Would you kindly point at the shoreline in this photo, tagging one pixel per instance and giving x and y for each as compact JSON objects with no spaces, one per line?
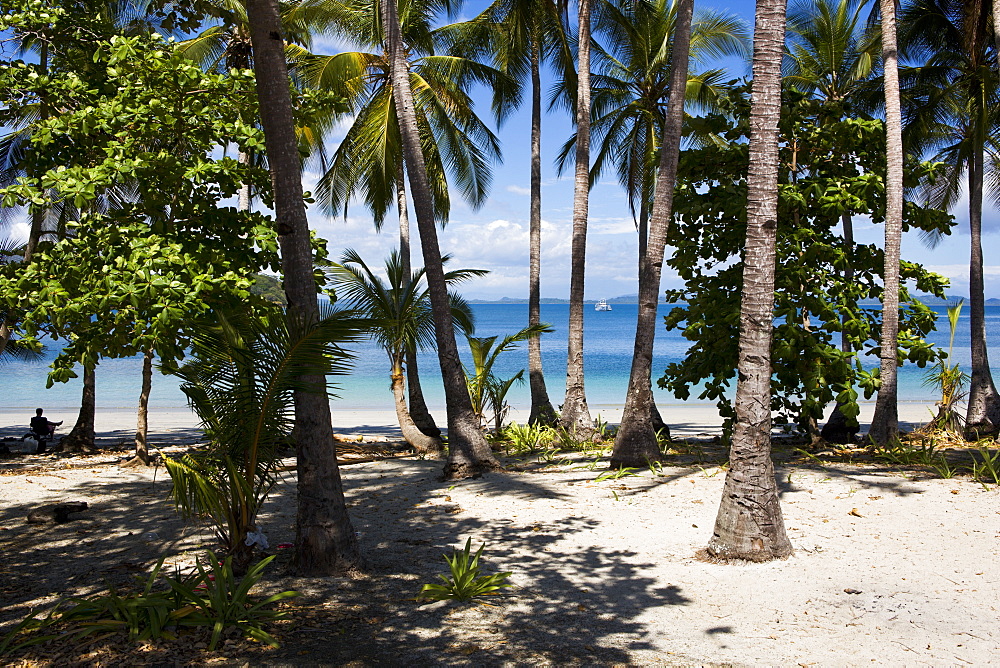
{"x":181,"y":424}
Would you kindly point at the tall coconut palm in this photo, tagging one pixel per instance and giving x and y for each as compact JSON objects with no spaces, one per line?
{"x":953,"y":107}
{"x":749,"y":525}
{"x":575,"y":416}
{"x":368,"y":163}
{"x":399,"y":311}
{"x":885,"y":421}
{"x":635,"y":441}
{"x":833,"y":54}
{"x":520,"y":36}
{"x":325,"y":539}
{"x":632,"y":85}
{"x":468,"y":452}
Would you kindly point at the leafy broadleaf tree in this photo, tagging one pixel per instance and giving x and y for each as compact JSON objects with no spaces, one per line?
{"x":398,"y":310}
{"x":149,"y":246}
{"x":830,"y":168}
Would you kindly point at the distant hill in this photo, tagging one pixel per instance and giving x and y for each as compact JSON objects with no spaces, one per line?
{"x":930,"y":300}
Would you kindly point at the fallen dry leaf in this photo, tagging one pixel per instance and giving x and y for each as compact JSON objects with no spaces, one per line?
{"x":854,"y":511}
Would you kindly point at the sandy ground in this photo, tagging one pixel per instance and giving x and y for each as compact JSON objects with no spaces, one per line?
{"x":889,"y":568}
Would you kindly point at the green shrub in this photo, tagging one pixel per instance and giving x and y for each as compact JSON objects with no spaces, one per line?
{"x":465,"y":582}
{"x":209,"y":597}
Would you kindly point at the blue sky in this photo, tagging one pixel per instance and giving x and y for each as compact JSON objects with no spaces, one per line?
{"x":496,"y":236}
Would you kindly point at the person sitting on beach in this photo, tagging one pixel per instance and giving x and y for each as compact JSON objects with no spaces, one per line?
{"x":41,"y":427}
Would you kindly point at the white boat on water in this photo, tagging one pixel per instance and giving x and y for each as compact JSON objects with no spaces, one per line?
{"x":602,"y":305}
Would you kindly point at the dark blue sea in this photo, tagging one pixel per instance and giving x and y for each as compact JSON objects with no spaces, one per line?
{"x":607,"y":358}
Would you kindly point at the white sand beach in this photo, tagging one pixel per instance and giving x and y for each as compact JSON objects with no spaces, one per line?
{"x":685,"y":420}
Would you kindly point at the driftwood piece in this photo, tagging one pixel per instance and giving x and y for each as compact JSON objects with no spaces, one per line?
{"x":55,"y":513}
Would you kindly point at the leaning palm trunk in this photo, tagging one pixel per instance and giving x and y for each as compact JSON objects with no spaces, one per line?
{"x":325,"y":539}
{"x":468,"y":452}
{"x":575,"y":415}
{"x":983,"y":413}
{"x":541,"y":406}
{"x":885,"y":422}
{"x":635,"y":443}
{"x":421,"y":442}
{"x":421,"y":417}
{"x":749,"y":525}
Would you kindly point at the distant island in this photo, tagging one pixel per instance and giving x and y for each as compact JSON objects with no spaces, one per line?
{"x":930,"y":300}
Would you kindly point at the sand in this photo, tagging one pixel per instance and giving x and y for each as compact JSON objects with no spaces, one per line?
{"x":889,"y":567}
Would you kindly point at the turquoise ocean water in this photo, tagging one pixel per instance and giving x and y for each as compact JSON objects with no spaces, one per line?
{"x":607,"y":358}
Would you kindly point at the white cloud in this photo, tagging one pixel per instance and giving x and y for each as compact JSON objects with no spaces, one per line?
{"x":518,"y":190}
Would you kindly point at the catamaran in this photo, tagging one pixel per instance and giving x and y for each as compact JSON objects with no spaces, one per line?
{"x":602,"y":305}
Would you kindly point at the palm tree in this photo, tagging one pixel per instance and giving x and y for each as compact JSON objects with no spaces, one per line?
{"x":575,"y":416}
{"x":325,"y":540}
{"x":519,"y":35}
{"x":632,"y":85}
{"x":368,"y":163}
{"x":399,"y":310}
{"x":953,"y":108}
{"x":832,"y":55}
{"x":241,"y":380}
{"x":635,"y":442}
{"x":749,"y":525}
{"x":885,"y":421}
{"x":468,"y":452}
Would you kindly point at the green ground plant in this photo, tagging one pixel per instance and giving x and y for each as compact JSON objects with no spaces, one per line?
{"x":209,"y":597}
{"x":949,"y":379}
{"x":464,"y":582}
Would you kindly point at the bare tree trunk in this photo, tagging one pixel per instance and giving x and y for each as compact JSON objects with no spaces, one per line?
{"x":839,"y":428}
{"x":468,"y":452}
{"x":635,"y":443}
{"x":142,"y":420}
{"x":418,"y":412}
{"x":81,"y":438}
{"x":885,"y":422}
{"x":421,"y":442}
{"x":246,"y":195}
{"x":575,"y":416}
{"x":749,"y":525}
{"x":983,"y":414}
{"x":541,"y":406}
{"x":325,"y":540}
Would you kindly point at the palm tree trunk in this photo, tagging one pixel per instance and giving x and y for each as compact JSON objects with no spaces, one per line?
{"x":575,"y":415}
{"x":635,"y":442}
{"x":749,"y":525}
{"x":418,"y":412}
{"x":839,"y":428}
{"x":422,"y":443}
{"x":325,"y":540}
{"x":468,"y":452}
{"x":142,"y":421}
{"x":81,"y":438}
{"x":983,"y":414}
{"x":541,"y":406}
{"x":885,"y":422}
